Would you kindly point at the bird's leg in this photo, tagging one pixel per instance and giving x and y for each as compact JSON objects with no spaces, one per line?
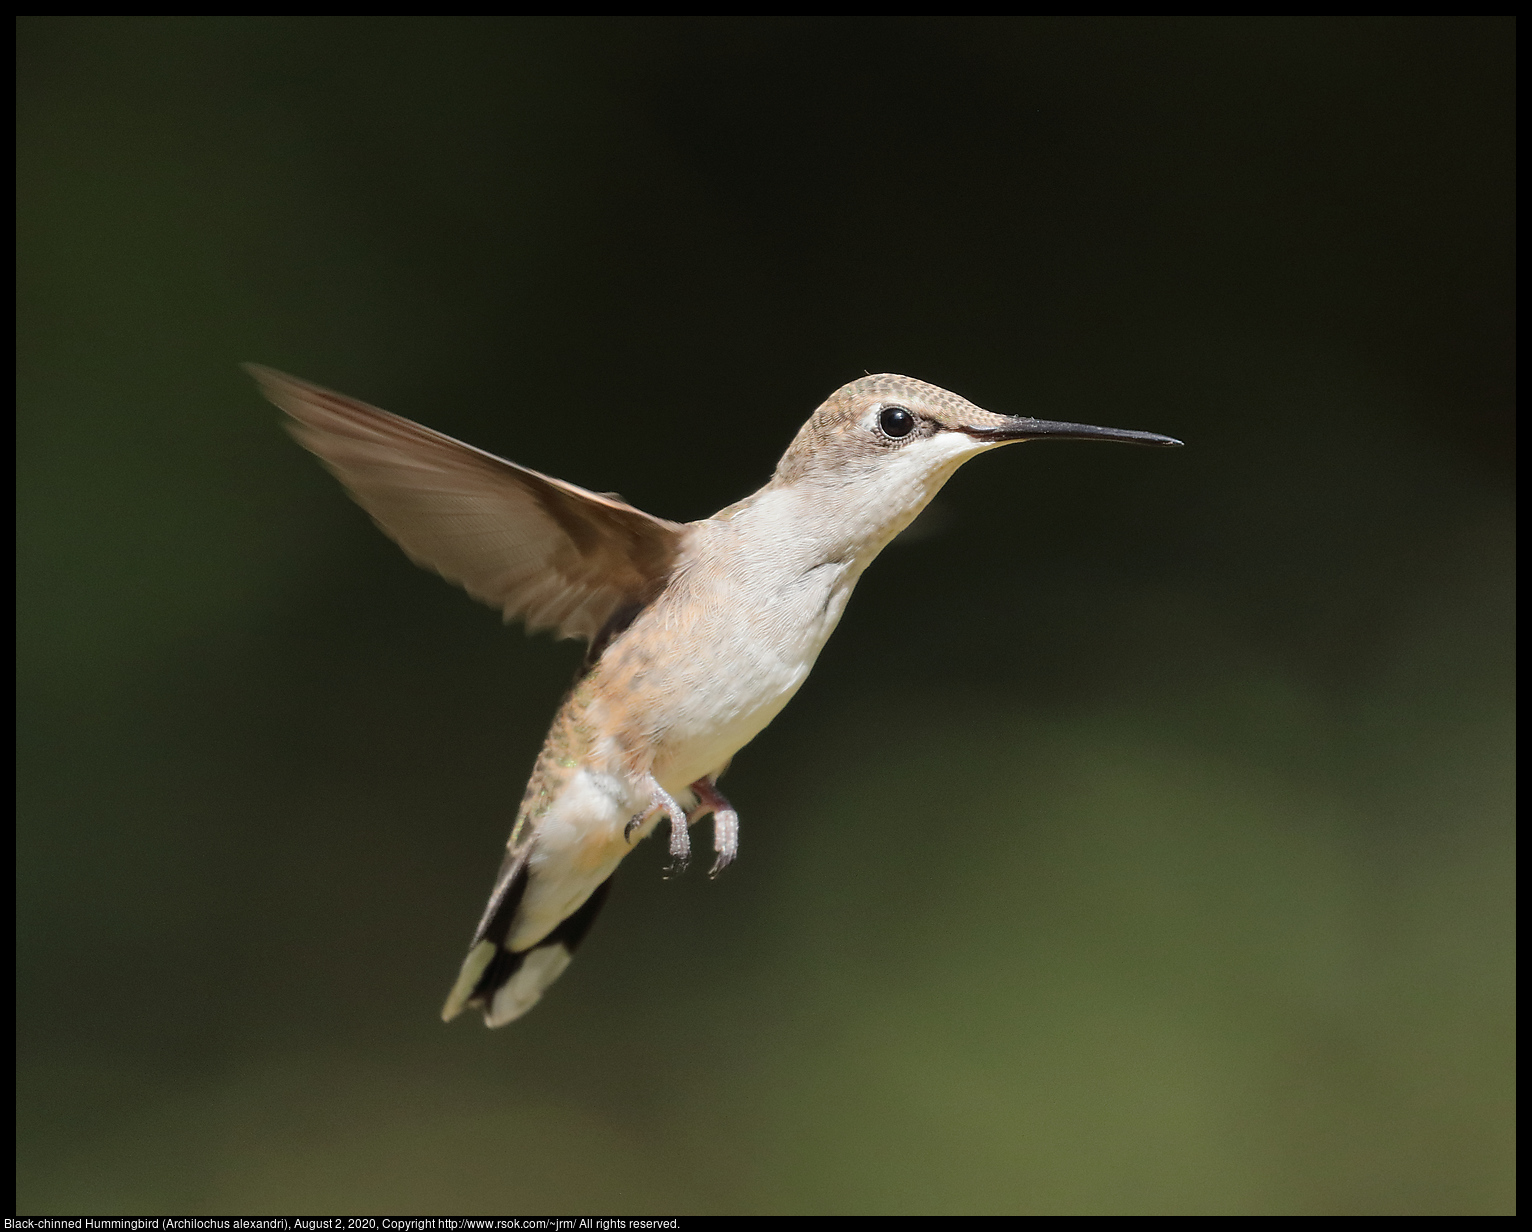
{"x":662,"y":800}
{"x":725,"y":822}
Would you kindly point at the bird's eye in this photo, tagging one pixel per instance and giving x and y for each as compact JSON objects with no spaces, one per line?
{"x":895,"y":421}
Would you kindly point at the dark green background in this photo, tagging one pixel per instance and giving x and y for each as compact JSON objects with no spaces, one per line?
{"x":1142,"y":842}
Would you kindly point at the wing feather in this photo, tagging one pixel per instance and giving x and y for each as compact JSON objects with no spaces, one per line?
{"x":533,"y":546}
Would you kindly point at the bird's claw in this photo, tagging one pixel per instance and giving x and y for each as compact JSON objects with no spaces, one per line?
{"x":680,"y":847}
{"x":725,"y":839}
{"x":725,"y":823}
{"x":709,"y":800}
{"x":662,"y":801}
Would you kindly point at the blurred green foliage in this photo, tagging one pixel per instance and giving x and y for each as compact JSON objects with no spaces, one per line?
{"x":1142,"y":843}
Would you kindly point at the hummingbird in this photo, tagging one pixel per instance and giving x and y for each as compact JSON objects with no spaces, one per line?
{"x":697,"y":633}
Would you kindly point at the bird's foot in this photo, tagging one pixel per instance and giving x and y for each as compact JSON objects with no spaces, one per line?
{"x":725,"y":823}
{"x":661,"y":800}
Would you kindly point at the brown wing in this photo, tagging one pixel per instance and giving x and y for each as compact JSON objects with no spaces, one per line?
{"x":535,"y":547}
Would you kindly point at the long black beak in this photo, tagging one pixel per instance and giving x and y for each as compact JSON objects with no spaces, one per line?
{"x":1020,"y":428}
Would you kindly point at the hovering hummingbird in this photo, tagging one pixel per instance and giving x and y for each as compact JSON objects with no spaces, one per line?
{"x":698,"y":633}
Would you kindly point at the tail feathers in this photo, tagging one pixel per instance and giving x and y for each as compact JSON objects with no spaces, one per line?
{"x":530,"y":972}
{"x":504,"y":983}
{"x":489,"y":938}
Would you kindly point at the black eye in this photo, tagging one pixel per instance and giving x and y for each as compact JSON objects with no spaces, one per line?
{"x":895,"y":421}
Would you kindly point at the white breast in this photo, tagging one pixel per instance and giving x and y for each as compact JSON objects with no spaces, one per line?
{"x":760,"y":619}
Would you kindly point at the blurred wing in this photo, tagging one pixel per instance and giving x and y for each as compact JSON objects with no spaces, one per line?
{"x":537,"y":548}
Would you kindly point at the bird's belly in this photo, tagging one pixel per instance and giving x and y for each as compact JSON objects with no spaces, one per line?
{"x":735,"y":696}
{"x":714,"y":728}
{"x":732,"y":672}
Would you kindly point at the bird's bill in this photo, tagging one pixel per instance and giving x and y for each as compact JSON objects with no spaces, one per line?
{"x":1020,"y":428}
